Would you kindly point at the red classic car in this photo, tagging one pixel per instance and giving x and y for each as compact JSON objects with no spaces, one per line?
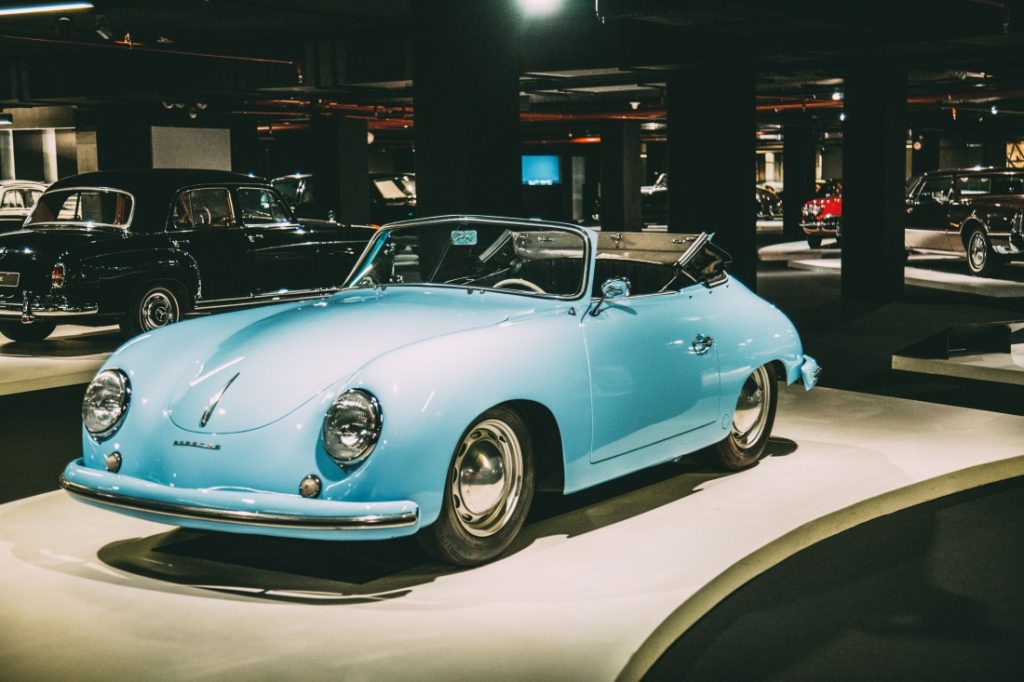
{"x":822,"y":216}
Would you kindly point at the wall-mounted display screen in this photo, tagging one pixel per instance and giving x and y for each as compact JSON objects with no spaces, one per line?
{"x":541,"y":170}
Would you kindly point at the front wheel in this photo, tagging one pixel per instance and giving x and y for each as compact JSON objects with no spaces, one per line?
{"x":814,"y":241}
{"x":487,"y":492}
{"x":153,"y":306}
{"x":34,"y":331}
{"x":981,"y":259}
{"x":751,"y":422}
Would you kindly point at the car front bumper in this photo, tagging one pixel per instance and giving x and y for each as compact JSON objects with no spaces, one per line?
{"x":825,"y":227}
{"x":241,"y":511}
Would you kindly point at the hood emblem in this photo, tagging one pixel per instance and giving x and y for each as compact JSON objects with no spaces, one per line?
{"x":212,"y":405}
{"x":196,"y":444}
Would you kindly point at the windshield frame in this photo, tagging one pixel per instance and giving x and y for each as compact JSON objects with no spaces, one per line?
{"x":371,"y":250}
{"x":82,"y":223}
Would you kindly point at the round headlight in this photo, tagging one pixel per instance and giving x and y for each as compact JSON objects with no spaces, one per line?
{"x":352,"y":427}
{"x":106,"y":402}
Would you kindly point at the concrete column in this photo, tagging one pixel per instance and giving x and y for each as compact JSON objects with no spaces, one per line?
{"x":927,"y":157}
{"x":711,"y":157}
{"x":340,"y":168}
{"x":49,"y":155}
{"x":123,"y":138}
{"x":799,"y":151}
{"x":466,"y":99}
{"x":874,"y":159}
{"x":7,"y":167}
{"x":620,"y":176}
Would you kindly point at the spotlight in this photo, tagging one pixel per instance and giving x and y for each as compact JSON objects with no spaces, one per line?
{"x":103,"y":29}
{"x":994,"y":110}
{"x":540,"y":7}
{"x":842,"y":115}
{"x":634,"y":105}
{"x":201,"y":106}
{"x":837,"y":95}
{"x":193,"y":113}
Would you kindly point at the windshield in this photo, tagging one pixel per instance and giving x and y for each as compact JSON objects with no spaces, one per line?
{"x":89,"y":207}
{"x":832,"y":188}
{"x":540,"y":259}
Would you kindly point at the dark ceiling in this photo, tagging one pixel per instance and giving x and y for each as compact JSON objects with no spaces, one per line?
{"x":275,"y":61}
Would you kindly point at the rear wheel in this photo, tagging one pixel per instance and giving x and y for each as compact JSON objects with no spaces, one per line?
{"x":814,"y":241}
{"x":34,"y":331}
{"x":751,"y":422}
{"x":487,"y":492}
{"x":153,"y":306}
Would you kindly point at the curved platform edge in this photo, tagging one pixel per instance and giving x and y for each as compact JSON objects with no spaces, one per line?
{"x":774,"y":553}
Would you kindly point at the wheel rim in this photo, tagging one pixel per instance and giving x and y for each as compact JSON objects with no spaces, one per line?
{"x":978,"y":251}
{"x":487,"y":478}
{"x":158,"y":309}
{"x":751,"y":414}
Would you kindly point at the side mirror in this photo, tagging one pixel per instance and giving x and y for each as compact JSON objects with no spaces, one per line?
{"x":616,"y":287}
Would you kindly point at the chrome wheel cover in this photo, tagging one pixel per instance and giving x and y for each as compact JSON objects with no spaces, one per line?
{"x":157,"y":310}
{"x":977,"y":251}
{"x":751,"y":416}
{"x":487,"y":478}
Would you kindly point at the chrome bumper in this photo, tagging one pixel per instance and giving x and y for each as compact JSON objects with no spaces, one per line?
{"x":810,"y":370}
{"x":30,"y":308}
{"x":269,"y":513}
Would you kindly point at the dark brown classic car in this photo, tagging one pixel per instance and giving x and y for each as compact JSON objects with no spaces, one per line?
{"x":975,"y":213}
{"x":144,"y":248}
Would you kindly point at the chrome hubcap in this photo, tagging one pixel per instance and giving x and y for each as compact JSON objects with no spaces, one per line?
{"x":752,"y":409}
{"x":487,"y":478}
{"x":158,"y":310}
{"x":978,"y":251}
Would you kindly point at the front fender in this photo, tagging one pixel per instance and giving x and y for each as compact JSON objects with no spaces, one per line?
{"x":431,"y":391}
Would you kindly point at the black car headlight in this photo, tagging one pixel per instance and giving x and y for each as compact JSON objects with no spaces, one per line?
{"x":106,"y":402}
{"x":352,"y":427}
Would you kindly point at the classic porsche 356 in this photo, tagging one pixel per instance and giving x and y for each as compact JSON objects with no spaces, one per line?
{"x":469,"y":362}
{"x":144,"y":248}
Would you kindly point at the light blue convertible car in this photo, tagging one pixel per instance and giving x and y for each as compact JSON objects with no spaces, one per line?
{"x":469,"y":362}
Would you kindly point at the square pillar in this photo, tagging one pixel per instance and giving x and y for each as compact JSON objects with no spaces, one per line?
{"x":620,"y":176}
{"x":874,"y":168}
{"x":799,"y":150}
{"x":711,"y":162}
{"x":466,"y":101}
{"x":341,"y":168}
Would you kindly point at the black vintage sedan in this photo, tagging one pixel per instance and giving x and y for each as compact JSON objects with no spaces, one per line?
{"x":975,"y":212}
{"x":143,"y":248}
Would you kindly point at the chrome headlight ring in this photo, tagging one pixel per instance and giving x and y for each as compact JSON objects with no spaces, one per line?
{"x":106,"y":403}
{"x":352,"y":427}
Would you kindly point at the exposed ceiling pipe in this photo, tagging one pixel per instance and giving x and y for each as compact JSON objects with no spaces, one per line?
{"x":136,"y":47}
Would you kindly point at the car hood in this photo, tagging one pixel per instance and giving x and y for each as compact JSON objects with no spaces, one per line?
{"x":263,"y":371}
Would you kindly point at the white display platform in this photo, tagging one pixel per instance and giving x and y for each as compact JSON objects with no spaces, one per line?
{"x":789,"y":251}
{"x":595,"y":592}
{"x":71,"y":355}
{"x":932,"y":279}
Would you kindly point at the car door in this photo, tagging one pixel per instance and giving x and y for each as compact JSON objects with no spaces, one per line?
{"x":203,"y":224}
{"x":654,"y":370}
{"x":284,"y":253}
{"x":927,"y":224}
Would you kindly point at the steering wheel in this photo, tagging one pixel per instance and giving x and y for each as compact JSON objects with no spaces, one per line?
{"x":516,"y":282}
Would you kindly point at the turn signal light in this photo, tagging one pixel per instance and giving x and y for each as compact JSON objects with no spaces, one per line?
{"x":57,"y":276}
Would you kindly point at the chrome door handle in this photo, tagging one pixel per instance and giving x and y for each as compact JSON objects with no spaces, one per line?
{"x":702,"y":344}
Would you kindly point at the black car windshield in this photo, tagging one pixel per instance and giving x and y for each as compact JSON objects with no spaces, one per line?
{"x":539,"y":259}
{"x":83,"y":207}
{"x":832,"y":188}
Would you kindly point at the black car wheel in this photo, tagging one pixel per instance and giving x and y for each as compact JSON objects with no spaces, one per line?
{"x":814,"y":241}
{"x":487,"y":493}
{"x":751,"y":422}
{"x":153,"y":307}
{"x":981,"y":259}
{"x":34,"y":331}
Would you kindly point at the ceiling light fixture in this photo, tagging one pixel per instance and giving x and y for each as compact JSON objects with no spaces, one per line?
{"x":842,"y":115}
{"x":837,"y":95}
{"x":540,"y":7}
{"x":994,"y":110}
{"x":45,"y":7}
{"x":634,"y":105}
